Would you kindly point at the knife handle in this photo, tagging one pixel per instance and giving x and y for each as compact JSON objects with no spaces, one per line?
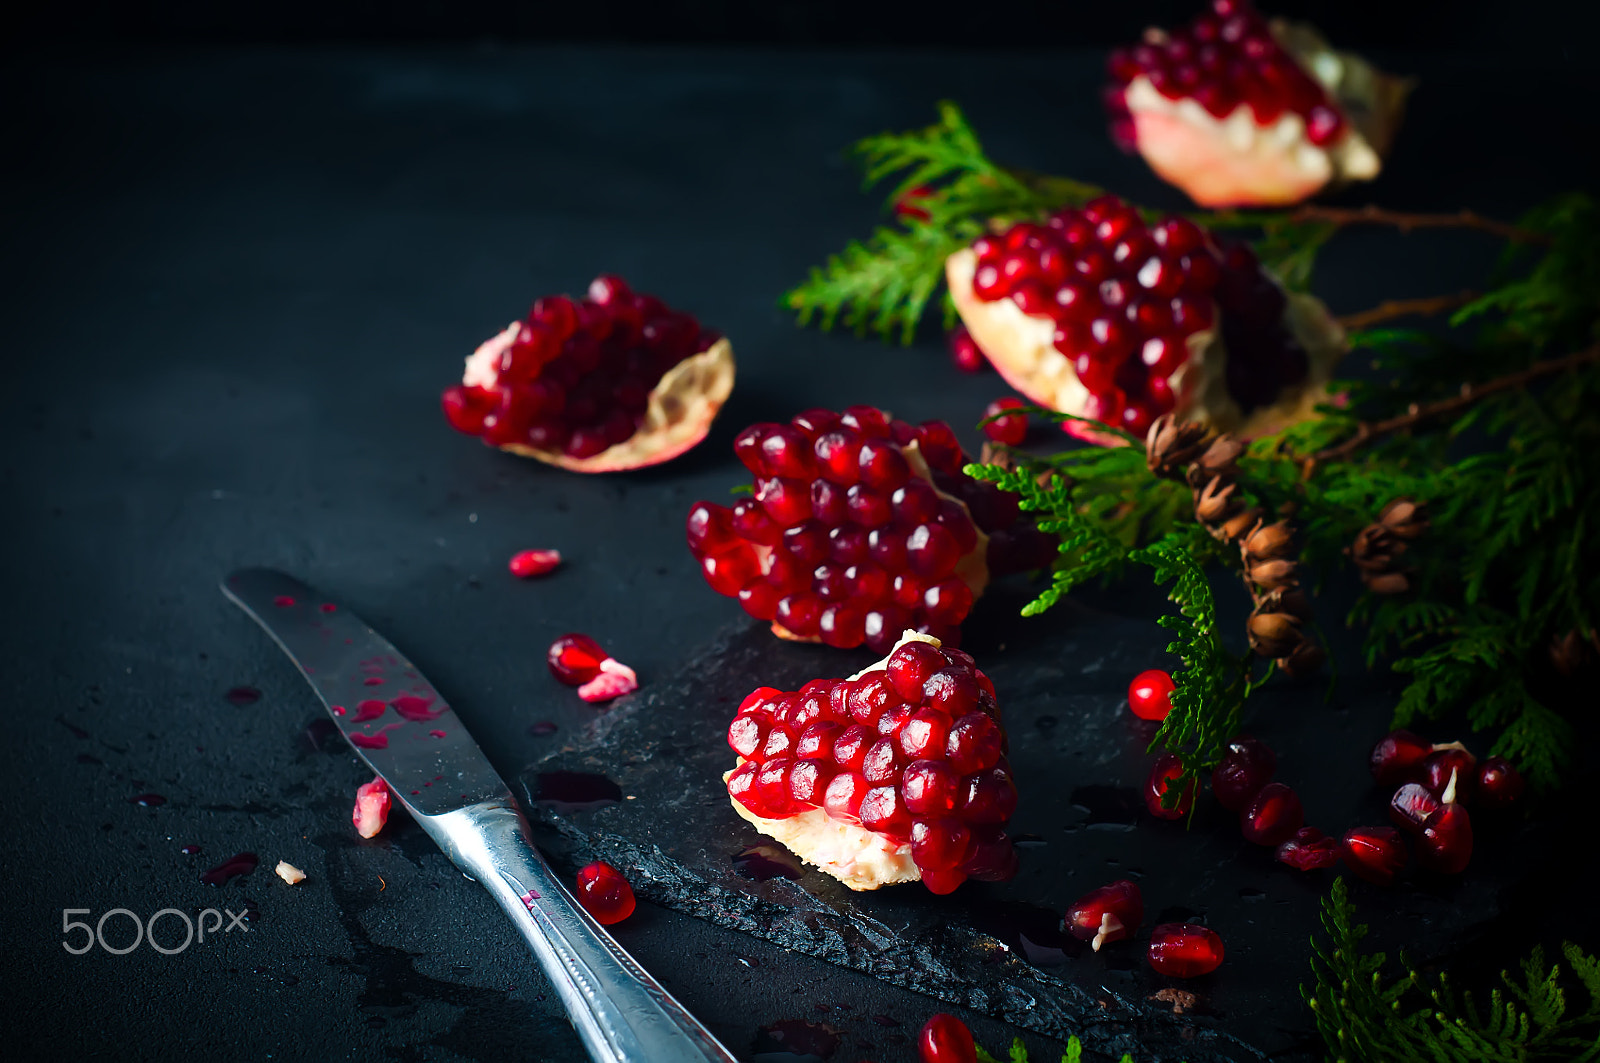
{"x":622,"y":1014}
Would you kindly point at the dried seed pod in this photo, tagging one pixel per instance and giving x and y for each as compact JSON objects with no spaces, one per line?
{"x":1306,"y":659}
{"x":1220,"y":458}
{"x":1404,"y":517}
{"x":1287,"y":600}
{"x":1271,"y":575}
{"x":1269,"y":541}
{"x":1215,"y":502}
{"x":1170,"y":446}
{"x":1388,"y":583}
{"x":1274,"y":634}
{"x":1237,"y":525}
{"x":995,"y":455}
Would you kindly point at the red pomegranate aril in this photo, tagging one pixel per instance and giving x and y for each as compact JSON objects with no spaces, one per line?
{"x":528,"y":564}
{"x":1183,"y":950}
{"x":730,"y":573}
{"x":1272,"y":816}
{"x":928,"y":787}
{"x":1445,"y":844}
{"x":1411,"y":806}
{"x":988,"y":796}
{"x":1109,"y":913}
{"x":1164,"y":774}
{"x":1447,"y":766}
{"x":938,"y":842}
{"x":1498,"y":783}
{"x":1398,"y":757}
{"x":946,"y":1039}
{"x":746,"y":736}
{"x":910,"y":666}
{"x":466,"y":407}
{"x":883,"y":810}
{"x":1377,"y":854}
{"x":575,"y":659}
{"x":751,"y":522}
{"x":965,"y":352}
{"x":975,"y":743}
{"x":800,"y":614}
{"x":1246,"y":766}
{"x":710,"y":529}
{"x":842,"y":799}
{"x":1308,"y":850}
{"x":924,"y":735}
{"x":808,"y":781}
{"x":1010,"y":429}
{"x":786,"y":501}
{"x":604,"y":893}
{"x":1149,"y":693}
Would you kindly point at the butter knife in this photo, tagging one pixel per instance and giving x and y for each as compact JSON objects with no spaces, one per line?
{"x":400,"y":725}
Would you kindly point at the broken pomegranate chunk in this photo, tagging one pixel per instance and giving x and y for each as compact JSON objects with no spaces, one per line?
{"x":612,"y":381}
{"x":1499,"y":784}
{"x":604,"y":893}
{"x":1098,"y":313}
{"x":946,"y":1039}
{"x":1376,"y":854}
{"x":895,"y":774}
{"x":527,"y":564}
{"x":1272,"y":816}
{"x":1309,"y":849}
{"x":1164,"y":774}
{"x":372,"y":808}
{"x":1149,"y":694}
{"x":1398,"y":757}
{"x":1245,"y":768}
{"x":1183,"y":950}
{"x":1109,"y":913}
{"x":579,"y":661}
{"x":1239,"y":111}
{"x":860,"y":527}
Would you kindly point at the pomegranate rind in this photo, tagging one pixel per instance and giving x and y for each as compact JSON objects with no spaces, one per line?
{"x":679,"y":413}
{"x":1233,"y":162}
{"x":972,"y":569}
{"x":1022,"y":349}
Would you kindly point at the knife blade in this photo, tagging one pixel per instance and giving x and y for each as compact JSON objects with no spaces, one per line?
{"x":398,"y":723}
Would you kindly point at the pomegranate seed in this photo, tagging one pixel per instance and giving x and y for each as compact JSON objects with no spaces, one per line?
{"x":372,"y":808}
{"x":1010,"y":429}
{"x":965,"y":352}
{"x":604,"y":893}
{"x":1445,"y":845}
{"x":906,"y":206}
{"x":1398,"y":757}
{"x":1183,"y":950}
{"x":1376,"y":854}
{"x":1149,"y":693}
{"x":1246,"y":767}
{"x":710,"y":529}
{"x":1447,"y":766}
{"x":466,"y":407}
{"x":1498,"y":783}
{"x":1167,"y":769}
{"x":575,"y":659}
{"x":1309,"y":849}
{"x":1272,"y":816}
{"x":1411,"y":806}
{"x":1109,"y":913}
{"x":526,"y":564}
{"x":946,"y":1039}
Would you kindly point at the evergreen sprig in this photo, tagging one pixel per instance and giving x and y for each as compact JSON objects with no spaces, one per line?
{"x":1415,"y":1019}
{"x":1019,"y":1053}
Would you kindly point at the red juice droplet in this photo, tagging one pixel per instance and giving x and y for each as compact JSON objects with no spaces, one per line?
{"x":377,"y":741}
{"x":243,"y":695}
{"x":328,"y":607}
{"x":338,"y":710}
{"x":239,"y":864}
{"x":190,"y":850}
{"x":283,"y":601}
{"x":370,"y":709}
{"x":415,"y":708}
{"x":437,"y":734}
{"x":372,"y":681}
{"x":148,"y":800}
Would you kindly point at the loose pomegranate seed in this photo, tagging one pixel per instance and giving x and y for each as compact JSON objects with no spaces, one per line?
{"x":1183,"y":950}
{"x":1445,"y":845}
{"x":1498,"y":784}
{"x":526,"y":564}
{"x":1272,"y":816}
{"x":1164,"y":774}
{"x":1411,"y":806}
{"x":906,"y":206}
{"x":1246,"y":766}
{"x":1309,"y":849}
{"x":1398,"y":757}
{"x":604,"y":893}
{"x":1442,"y":768}
{"x":1149,"y":694}
{"x":1376,"y":854}
{"x":578,"y":660}
{"x":1109,"y":913}
{"x":946,"y":1039}
{"x":965,"y":352}
{"x":1010,"y":429}
{"x":372,"y":808}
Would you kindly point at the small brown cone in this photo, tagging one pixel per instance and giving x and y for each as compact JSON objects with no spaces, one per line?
{"x":1169,"y":446}
{"x":1269,"y":541}
{"x":1306,"y":659}
{"x":1273,"y":575}
{"x":1274,"y":635}
{"x":1405,"y":518}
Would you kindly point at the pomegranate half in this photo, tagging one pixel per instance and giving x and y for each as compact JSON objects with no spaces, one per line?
{"x":1237,"y":110}
{"x":610,"y":382}
{"x":1097,"y":313}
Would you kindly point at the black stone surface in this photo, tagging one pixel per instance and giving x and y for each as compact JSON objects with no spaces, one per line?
{"x":234,"y":282}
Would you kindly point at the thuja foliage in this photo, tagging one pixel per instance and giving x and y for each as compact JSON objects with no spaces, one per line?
{"x":1019,"y":1053}
{"x":1363,"y":1017}
{"x":1491,"y":424}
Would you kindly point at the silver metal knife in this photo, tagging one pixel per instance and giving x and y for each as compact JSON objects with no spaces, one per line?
{"x":406,"y":732}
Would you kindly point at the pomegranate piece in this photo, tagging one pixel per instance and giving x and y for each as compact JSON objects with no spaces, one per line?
{"x":1008,"y":428}
{"x":1498,"y":783}
{"x":1110,"y":913}
{"x":1450,"y":770}
{"x":526,"y":564}
{"x":1245,"y":768}
{"x":1272,"y":816}
{"x":946,"y":1039}
{"x":965,"y":352}
{"x":372,"y":808}
{"x":1309,"y":849}
{"x":1445,"y":844}
{"x":1149,"y":694}
{"x":893,"y":775}
{"x":579,"y":661}
{"x":1398,"y":757}
{"x":1183,"y":950}
{"x":1164,"y":774}
{"x":1376,"y":854}
{"x":1237,"y":111}
{"x":1098,"y":313}
{"x":611,"y":381}
{"x":604,"y":893}
{"x":860,"y":527}
{"x":1411,"y":806}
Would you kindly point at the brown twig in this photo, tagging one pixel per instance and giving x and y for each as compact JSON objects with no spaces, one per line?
{"x":1405,"y":222}
{"x":1468,"y":394}
{"x":1390,"y":309}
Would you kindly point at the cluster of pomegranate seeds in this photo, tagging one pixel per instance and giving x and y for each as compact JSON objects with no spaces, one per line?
{"x":1127,"y":298}
{"x":577,"y":378}
{"x":965,"y":352}
{"x":1008,"y":428}
{"x":1226,"y":57}
{"x":1164,"y":774}
{"x":1377,"y":854}
{"x":913,"y":751}
{"x":372,"y":808}
{"x":527,"y":564}
{"x":604,"y":893}
{"x":846,"y":541}
{"x":1436,"y":783}
{"x":946,"y":1039}
{"x":1183,"y":950}
{"x":579,"y":661}
{"x":1149,"y":694}
{"x":1109,"y":913}
{"x":1309,"y":849}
